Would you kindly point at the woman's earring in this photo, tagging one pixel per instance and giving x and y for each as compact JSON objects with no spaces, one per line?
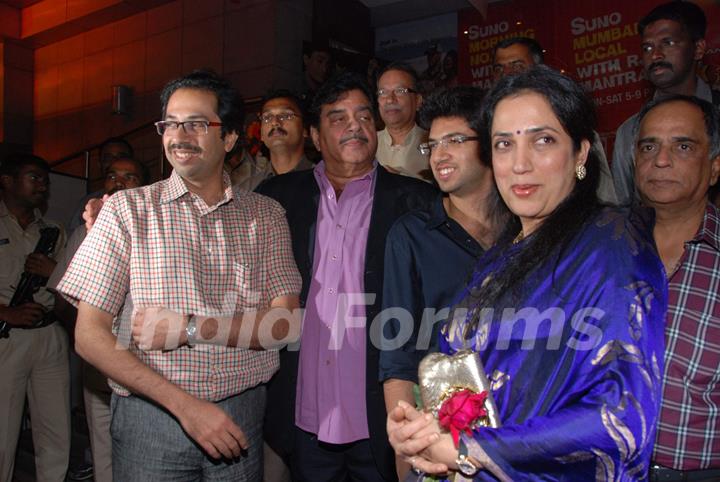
{"x":580,"y":171}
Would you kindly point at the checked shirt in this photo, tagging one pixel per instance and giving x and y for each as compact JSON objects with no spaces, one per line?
{"x":688,"y":435}
{"x":161,"y":245}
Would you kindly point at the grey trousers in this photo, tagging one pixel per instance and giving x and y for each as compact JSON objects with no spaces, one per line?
{"x":148,"y":444}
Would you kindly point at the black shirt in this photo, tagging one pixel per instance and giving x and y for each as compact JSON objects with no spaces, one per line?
{"x":428,"y":260}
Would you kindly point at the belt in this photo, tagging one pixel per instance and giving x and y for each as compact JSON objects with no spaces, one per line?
{"x":659,"y":473}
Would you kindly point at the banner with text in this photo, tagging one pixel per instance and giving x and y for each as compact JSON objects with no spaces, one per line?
{"x":595,"y":42}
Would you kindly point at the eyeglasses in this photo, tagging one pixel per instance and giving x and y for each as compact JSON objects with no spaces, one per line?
{"x":198,"y":127}
{"x":268,"y":117}
{"x":398,"y":92}
{"x":427,"y":147}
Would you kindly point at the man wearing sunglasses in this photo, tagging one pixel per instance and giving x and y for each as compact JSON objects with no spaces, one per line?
{"x":173,"y":283}
{"x":398,"y":102}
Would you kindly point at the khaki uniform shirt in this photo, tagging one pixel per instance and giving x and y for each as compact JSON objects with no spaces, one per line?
{"x":16,"y":244}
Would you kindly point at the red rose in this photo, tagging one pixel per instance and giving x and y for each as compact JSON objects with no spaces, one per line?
{"x":460,"y":412}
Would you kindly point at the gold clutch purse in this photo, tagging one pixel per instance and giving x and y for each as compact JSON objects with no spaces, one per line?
{"x":445,"y":377}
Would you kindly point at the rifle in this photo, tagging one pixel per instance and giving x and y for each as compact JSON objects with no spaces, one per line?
{"x":30,"y":283}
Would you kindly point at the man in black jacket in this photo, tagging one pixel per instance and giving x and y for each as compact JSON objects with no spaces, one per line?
{"x":326,"y":413}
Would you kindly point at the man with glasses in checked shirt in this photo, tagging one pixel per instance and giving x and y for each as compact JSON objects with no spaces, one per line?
{"x":677,"y":159}
{"x":210,"y":274}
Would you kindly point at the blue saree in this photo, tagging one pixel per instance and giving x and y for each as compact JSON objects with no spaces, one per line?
{"x":575,"y":357}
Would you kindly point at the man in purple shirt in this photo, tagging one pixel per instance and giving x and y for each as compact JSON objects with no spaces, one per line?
{"x":326,"y":413}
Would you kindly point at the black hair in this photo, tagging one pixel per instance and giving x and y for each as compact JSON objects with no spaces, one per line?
{"x":402,"y":67}
{"x":453,"y":55}
{"x":321,"y":45}
{"x":335,"y":87}
{"x":687,"y":14}
{"x":230,"y":106}
{"x":576,"y":113}
{"x":710,"y":113}
{"x":533,"y":46}
{"x":286,"y":94}
{"x":13,"y":162}
{"x":118,"y":140}
{"x":462,"y":101}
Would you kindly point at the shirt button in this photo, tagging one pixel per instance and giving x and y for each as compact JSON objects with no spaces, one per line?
{"x":330,"y":196}
{"x":331,"y":291}
{"x":327,"y":362}
{"x":334,"y":257}
{"x":339,"y":226}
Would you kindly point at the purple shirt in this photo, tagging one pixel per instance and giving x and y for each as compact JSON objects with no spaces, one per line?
{"x":330,"y":389}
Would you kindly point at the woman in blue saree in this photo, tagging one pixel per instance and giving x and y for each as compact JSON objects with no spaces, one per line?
{"x":566,"y":312}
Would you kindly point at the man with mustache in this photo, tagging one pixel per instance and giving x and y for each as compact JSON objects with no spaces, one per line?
{"x":398,"y":101}
{"x":326,"y":414}
{"x":34,"y":357}
{"x":677,"y":160}
{"x":283,"y":131}
{"x":672,"y":45}
{"x":203,"y":265}
{"x":121,"y":173}
{"x":112,"y":149}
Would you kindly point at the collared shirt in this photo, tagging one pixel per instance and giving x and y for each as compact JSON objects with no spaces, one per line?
{"x":688,"y":434}
{"x":405,"y":158}
{"x":623,"y":164}
{"x":428,"y":259}
{"x":16,"y":244}
{"x":252,"y":171}
{"x":162,"y":245}
{"x":330,"y":393}
{"x":606,"y":189}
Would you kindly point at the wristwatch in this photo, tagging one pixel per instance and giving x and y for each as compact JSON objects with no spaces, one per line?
{"x":191,"y":330}
{"x":465,"y":465}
